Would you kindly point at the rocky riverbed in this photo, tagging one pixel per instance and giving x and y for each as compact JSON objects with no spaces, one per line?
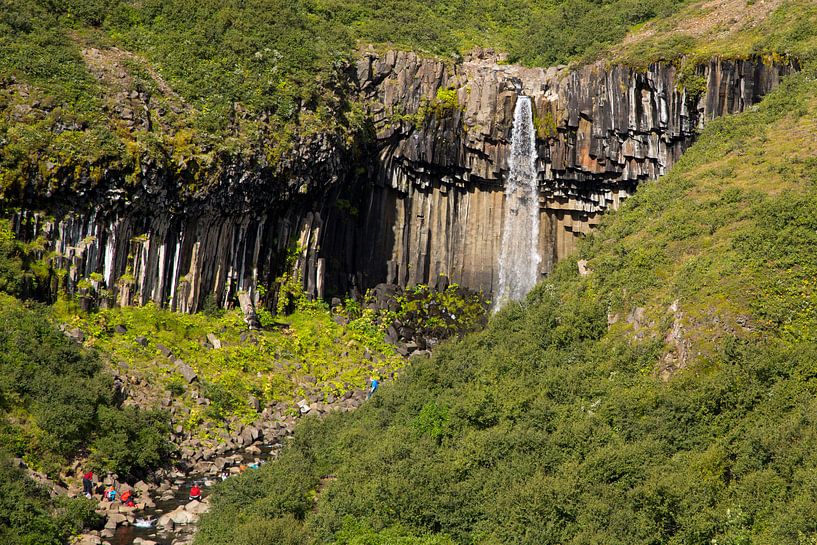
{"x":165,"y":499}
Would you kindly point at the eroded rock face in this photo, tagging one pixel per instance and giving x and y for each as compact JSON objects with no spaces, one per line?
{"x":600,"y":132}
{"x":427,"y":201}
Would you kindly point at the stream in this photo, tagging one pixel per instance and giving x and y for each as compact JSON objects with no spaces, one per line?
{"x":182,"y":533}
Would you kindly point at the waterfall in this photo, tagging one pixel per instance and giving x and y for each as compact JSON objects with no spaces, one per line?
{"x":519,"y":254}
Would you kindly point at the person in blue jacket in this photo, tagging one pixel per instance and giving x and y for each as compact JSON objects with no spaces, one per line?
{"x":373,"y":384}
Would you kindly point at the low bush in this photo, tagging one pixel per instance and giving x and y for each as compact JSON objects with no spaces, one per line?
{"x":29,"y":516}
{"x":58,"y":401}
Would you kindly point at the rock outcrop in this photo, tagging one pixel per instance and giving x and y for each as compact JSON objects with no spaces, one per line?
{"x":443,"y":136}
{"x":423,"y":201}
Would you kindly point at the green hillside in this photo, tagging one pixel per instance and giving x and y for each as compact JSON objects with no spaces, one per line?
{"x":228,"y":82}
{"x":669,"y":396}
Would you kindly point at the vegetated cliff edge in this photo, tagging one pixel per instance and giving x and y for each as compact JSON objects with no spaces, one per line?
{"x":424,"y":197}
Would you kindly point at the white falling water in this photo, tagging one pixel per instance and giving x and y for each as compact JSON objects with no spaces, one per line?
{"x":519,"y":254}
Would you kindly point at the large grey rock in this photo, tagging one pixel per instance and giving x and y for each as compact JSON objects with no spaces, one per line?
{"x":186,"y":371}
{"x":214,"y":341}
{"x":181,"y":516}
{"x":248,"y":310}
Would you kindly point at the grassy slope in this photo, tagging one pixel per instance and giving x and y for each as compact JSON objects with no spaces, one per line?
{"x":300,"y":354}
{"x":728,"y":28}
{"x":575,"y":417}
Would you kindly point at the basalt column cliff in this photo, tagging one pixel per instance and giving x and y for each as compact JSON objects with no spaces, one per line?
{"x":428,"y":200}
{"x":436,"y":204}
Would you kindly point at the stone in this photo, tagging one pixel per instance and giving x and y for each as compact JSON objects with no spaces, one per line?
{"x":88,"y":539}
{"x":75,"y":334}
{"x":186,"y":371}
{"x":197,"y":507}
{"x":166,"y":352}
{"x":340,"y":320}
{"x":248,"y":310}
{"x":214,"y":341}
{"x":120,"y":329}
{"x":182,"y":516}
{"x":303,"y":406}
{"x":166,"y":522}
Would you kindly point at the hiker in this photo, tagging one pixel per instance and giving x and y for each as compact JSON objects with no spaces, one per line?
{"x":195,"y":492}
{"x":88,"y":484}
{"x":373,"y":387}
{"x":127,"y":498}
{"x":110,"y":493}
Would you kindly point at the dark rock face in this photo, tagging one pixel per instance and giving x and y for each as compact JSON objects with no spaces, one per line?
{"x":437,"y":192}
{"x":428,"y":202}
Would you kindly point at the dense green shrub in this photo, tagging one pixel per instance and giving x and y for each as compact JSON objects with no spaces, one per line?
{"x":131,"y":441}
{"x":62,"y":401}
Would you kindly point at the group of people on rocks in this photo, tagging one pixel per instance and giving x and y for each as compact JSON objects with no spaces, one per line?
{"x":109,"y":493}
{"x":127,"y":497}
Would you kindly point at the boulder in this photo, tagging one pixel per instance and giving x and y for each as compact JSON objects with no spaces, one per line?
{"x":340,"y":320}
{"x":75,"y":334}
{"x":248,"y":310}
{"x":303,"y":406}
{"x":166,"y":522}
{"x":141,"y":341}
{"x":197,"y":507}
{"x":116,"y":519}
{"x":186,"y":371}
{"x":214,"y":341}
{"x":182,"y":516}
{"x":88,"y":539}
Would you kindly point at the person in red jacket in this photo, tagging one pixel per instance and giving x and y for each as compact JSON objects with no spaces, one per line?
{"x":88,"y":484}
{"x":195,"y":492}
{"x":127,"y":498}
